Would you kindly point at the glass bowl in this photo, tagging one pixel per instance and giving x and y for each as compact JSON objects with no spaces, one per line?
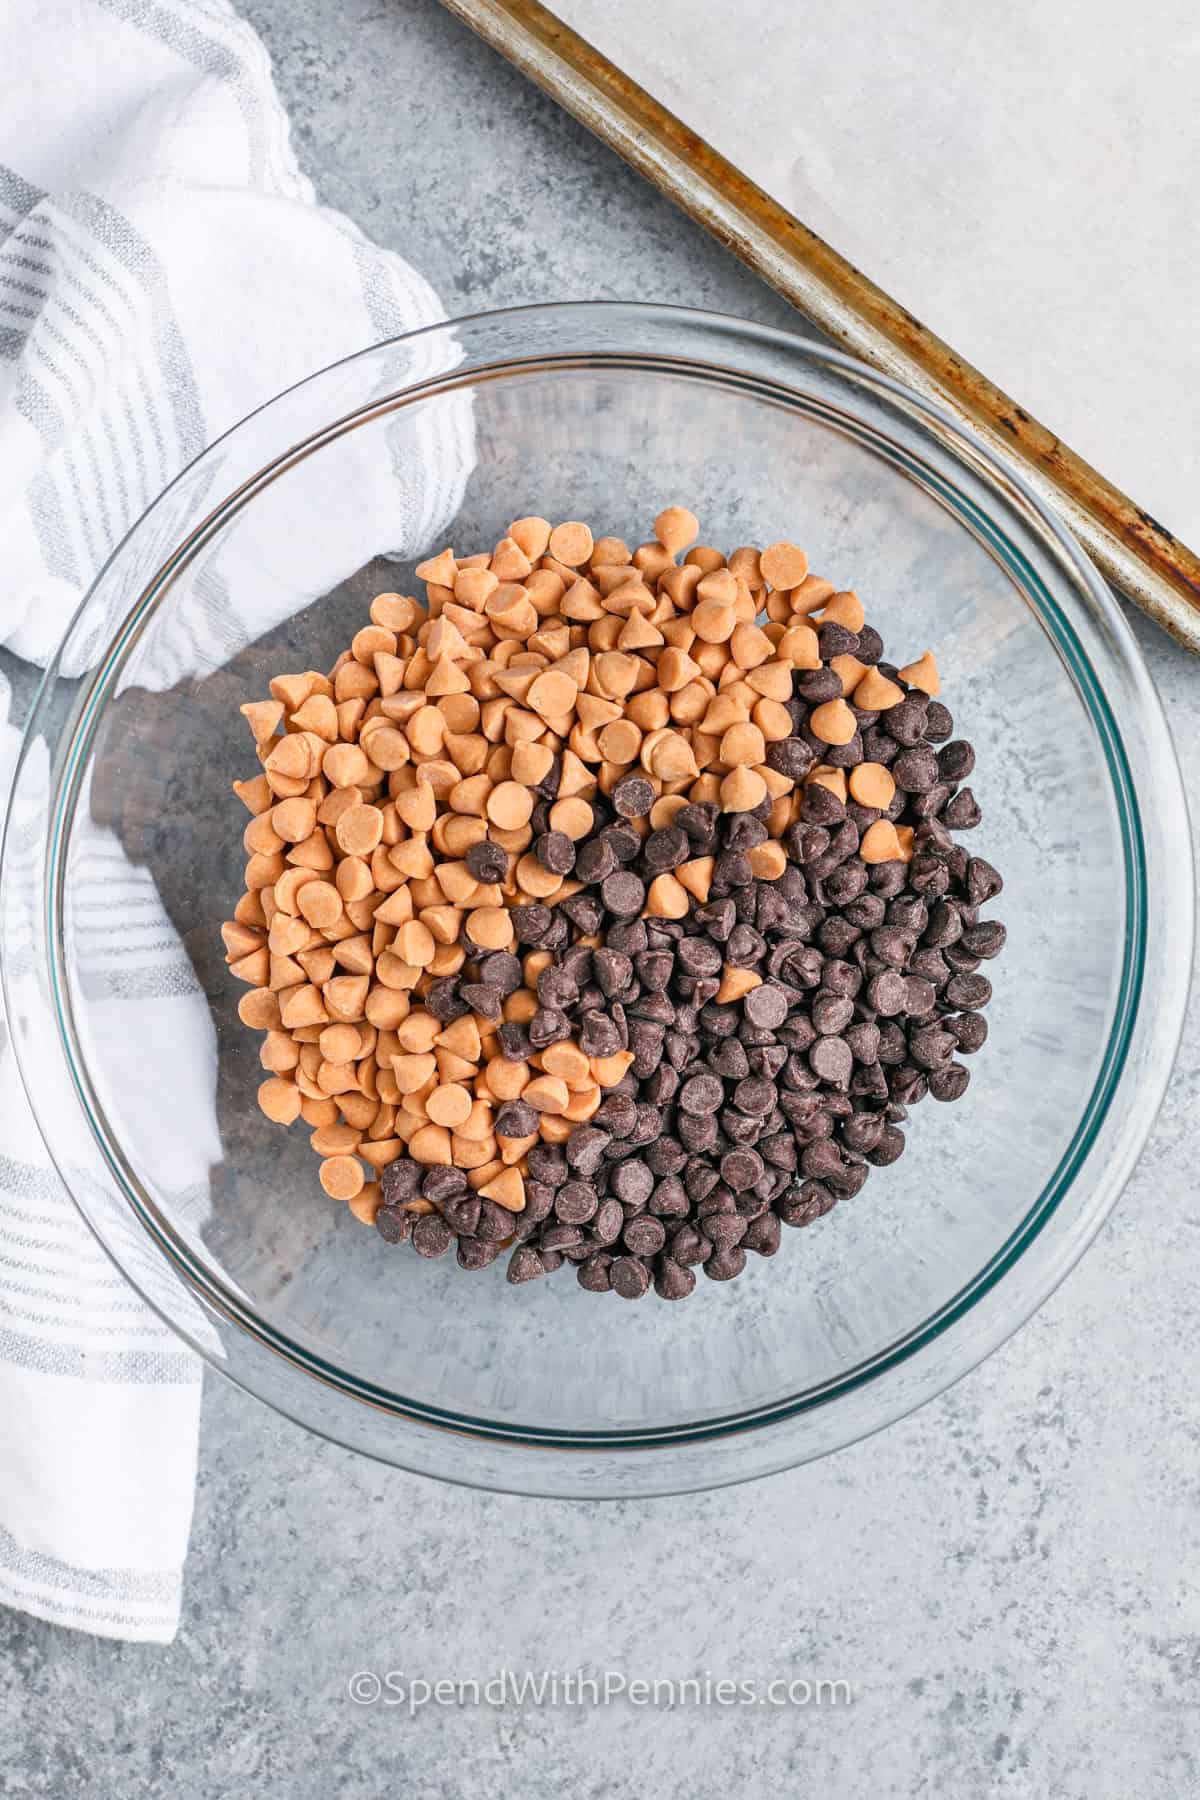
{"x":124,"y":855}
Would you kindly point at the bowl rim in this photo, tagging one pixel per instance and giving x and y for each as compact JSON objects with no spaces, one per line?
{"x":964,"y":448}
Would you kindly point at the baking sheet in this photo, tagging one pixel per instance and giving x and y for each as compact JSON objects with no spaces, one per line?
{"x":1021,"y":177}
{"x":1140,"y":555}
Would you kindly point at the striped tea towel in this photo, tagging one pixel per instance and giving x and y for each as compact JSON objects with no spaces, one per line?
{"x":163,"y":270}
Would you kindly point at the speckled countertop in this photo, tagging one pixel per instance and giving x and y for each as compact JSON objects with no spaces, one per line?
{"x":1009,"y":1581}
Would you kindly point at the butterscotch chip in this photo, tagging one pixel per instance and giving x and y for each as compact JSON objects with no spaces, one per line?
{"x":784,"y":565}
{"x":359,"y":830}
{"x":697,"y":876}
{"x":552,"y":693}
{"x":320,"y":903}
{"x":620,"y":741}
{"x":799,"y":646}
{"x":345,"y":996}
{"x":921,"y":674}
{"x":773,"y":720}
{"x":418,"y":1033}
{"x":849,"y":671}
{"x":768,"y":861}
{"x":509,"y":805}
{"x":735,"y":983}
{"x":742,"y":743}
{"x":414,"y":944}
{"x":880,"y":843}
{"x":412,"y":1072}
{"x":719,"y":586}
{"x":294,"y":820}
{"x":833,"y":779}
{"x":394,"y":972}
{"x":490,"y":927}
{"x":845,"y":609}
{"x":280,"y":1100}
{"x":352,"y":879}
{"x":714,"y":621}
{"x":263,"y":718}
{"x":302,"y":1005}
{"x":568,"y":1062}
{"x":571,"y":543}
{"x":339,"y":1043}
{"x":875,"y":693}
{"x":259,"y":1009}
{"x":742,"y":790}
{"x":345,"y":765}
{"x":431,"y":1146}
{"x":573,"y":817}
{"x":871,"y":784}
{"x":335,"y":1140}
{"x":398,"y":612}
{"x":609,"y":1070}
{"x":672,"y":757}
{"x":506,"y":1080}
{"x":366,"y":1203}
{"x":833,"y":723}
{"x":532,"y":534}
{"x":666,"y":898}
{"x":449,"y":1105}
{"x":534,"y":879}
{"x":546,"y":1093}
{"x":507,"y":1189}
{"x":676,"y":528}
{"x":751,"y":646}
{"x":255,"y":795}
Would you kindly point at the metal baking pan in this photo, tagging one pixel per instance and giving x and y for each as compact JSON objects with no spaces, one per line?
{"x":1142,"y":559}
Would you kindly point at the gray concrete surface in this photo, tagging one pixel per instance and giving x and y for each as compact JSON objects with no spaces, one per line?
{"x":1007,"y":1581}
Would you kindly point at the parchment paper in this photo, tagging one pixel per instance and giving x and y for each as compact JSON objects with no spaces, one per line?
{"x":1024,"y":177}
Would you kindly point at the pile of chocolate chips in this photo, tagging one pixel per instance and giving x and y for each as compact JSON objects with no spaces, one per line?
{"x":734,"y":1119}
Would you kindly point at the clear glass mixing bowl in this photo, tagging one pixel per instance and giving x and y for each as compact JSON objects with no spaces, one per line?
{"x":123,"y":856}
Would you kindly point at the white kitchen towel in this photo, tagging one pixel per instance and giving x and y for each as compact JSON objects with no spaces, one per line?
{"x":164,"y":269}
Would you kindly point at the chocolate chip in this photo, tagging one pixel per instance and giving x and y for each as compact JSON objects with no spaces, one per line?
{"x":596,"y":861}
{"x":628,"y":1276}
{"x":633,"y":796}
{"x":525,"y":1264}
{"x":555,"y":851}
{"x":726,"y":1262}
{"x":632,"y":1182}
{"x":623,"y":894}
{"x":474,"y":1254}
{"x":461,"y":1213}
{"x":916,"y":770}
{"x":516,"y":1120}
{"x":956,"y":761}
{"x":672,"y":1281}
{"x":969,"y":1031}
{"x":702,"y":1094}
{"x":833,"y":1060}
{"x":400,"y":1181}
{"x":950,"y":1082}
{"x":394,"y":1224}
{"x":431,"y":1236}
{"x":444,"y":1002}
{"x":766,"y":1006}
{"x":487,"y":862}
{"x":740,"y":1169}
{"x":962,"y":813}
{"x":969,"y":992}
{"x":644,"y":1235}
{"x":530,"y":922}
